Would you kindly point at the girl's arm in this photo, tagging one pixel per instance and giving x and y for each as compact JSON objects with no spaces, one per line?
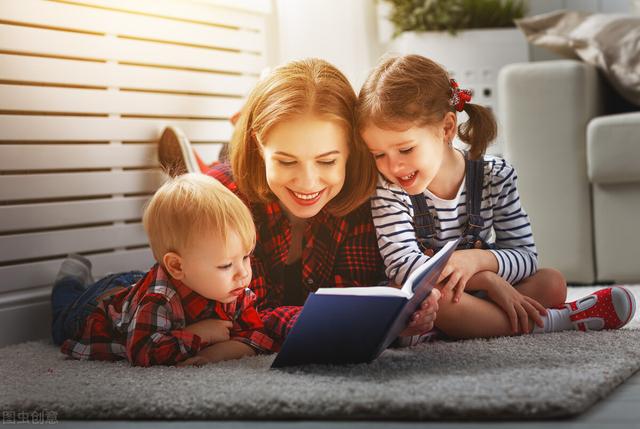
{"x":396,"y":236}
{"x":516,"y":251}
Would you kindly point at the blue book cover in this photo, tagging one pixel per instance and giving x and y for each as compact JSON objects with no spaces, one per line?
{"x":354,"y":325}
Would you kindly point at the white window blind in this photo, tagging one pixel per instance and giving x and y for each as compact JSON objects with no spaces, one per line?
{"x":86,"y":87}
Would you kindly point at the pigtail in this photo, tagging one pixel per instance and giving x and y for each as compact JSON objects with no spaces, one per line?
{"x":479,"y":130}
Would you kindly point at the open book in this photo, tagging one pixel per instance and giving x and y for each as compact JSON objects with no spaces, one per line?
{"x":356,"y":324}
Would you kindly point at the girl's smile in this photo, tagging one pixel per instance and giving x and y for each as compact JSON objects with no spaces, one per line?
{"x":418,"y":157}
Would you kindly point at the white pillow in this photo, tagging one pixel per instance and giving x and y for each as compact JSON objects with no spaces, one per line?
{"x":609,"y":42}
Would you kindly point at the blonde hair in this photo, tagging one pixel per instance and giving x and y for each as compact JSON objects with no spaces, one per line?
{"x":299,"y":88}
{"x":192,"y":205}
{"x":417,"y":90}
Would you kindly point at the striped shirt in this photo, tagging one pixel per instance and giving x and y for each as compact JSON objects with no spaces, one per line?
{"x":505,"y":224}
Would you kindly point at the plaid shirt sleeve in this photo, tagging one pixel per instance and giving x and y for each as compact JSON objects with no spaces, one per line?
{"x":247,"y":325}
{"x":358,"y":261}
{"x":153,"y":337}
{"x":277,"y":320}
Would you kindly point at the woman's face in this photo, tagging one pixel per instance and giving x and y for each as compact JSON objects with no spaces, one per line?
{"x":305,"y":161}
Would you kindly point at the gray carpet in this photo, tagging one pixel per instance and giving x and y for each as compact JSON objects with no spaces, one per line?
{"x":539,"y":376}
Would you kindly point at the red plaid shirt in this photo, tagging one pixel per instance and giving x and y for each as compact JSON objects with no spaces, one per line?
{"x":338,"y":252}
{"x":145,"y":323}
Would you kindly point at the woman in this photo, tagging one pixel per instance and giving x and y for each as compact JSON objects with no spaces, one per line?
{"x":294,"y":162}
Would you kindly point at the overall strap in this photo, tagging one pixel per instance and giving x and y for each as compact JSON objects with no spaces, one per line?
{"x":423,"y":223}
{"x":474,"y":180}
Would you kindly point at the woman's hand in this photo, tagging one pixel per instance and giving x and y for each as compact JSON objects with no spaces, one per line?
{"x":462,"y":265}
{"x":518,"y":307}
{"x":422,"y":320}
{"x":211,"y":331}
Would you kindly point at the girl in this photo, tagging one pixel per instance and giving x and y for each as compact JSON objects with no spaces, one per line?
{"x":429,"y":193}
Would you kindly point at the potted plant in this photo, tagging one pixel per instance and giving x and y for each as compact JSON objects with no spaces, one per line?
{"x":474,"y":39}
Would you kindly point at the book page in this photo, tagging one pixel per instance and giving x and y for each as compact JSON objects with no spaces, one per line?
{"x":364,"y":291}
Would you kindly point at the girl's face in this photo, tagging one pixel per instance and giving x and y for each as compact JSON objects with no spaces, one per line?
{"x":305,"y":161}
{"x":410,"y":158}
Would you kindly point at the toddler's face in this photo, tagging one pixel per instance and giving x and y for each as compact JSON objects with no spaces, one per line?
{"x":410,"y":158}
{"x":217,"y":270}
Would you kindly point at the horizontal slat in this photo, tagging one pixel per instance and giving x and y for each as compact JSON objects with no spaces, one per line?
{"x":73,"y":17}
{"x":40,"y":186}
{"x":53,"y":215}
{"x":42,"y":244}
{"x":46,"y":99}
{"x":72,"y":72}
{"x":58,"y":157}
{"x":23,"y":276}
{"x":65,"y":128}
{"x":36,"y":294}
{"x":19,"y":39}
{"x":192,"y":11}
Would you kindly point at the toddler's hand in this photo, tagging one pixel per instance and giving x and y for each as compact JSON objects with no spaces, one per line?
{"x":211,"y":331}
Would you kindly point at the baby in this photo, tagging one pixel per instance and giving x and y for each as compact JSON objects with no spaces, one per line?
{"x":192,"y":307}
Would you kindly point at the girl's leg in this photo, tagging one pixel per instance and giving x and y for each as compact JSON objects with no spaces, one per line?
{"x":472,"y":317}
{"x":547,"y":286}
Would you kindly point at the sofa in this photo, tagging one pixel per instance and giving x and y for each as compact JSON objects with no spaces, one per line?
{"x":576,"y":146}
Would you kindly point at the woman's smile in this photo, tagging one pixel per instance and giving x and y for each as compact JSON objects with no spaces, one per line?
{"x":306,"y":199}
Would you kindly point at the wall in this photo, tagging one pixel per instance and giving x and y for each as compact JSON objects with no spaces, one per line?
{"x":350,"y":35}
{"x":341,"y":32}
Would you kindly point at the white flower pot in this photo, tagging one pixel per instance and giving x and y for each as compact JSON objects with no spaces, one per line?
{"x":472,"y":57}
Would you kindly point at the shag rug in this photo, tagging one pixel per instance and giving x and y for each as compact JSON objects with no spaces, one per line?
{"x":526,"y":377}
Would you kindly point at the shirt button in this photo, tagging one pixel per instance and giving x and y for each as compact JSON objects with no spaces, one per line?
{"x":310,"y":281}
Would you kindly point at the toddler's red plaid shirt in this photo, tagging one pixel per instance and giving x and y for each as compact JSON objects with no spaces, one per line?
{"x":337,"y":252}
{"x":145,"y":323}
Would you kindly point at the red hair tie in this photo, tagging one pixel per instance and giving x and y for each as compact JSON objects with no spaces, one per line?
{"x":459,"y":97}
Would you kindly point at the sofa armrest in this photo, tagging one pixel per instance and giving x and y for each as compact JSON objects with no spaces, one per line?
{"x":613,"y":150}
{"x":545,"y":109}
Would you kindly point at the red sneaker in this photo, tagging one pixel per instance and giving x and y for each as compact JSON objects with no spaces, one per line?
{"x":609,"y":308}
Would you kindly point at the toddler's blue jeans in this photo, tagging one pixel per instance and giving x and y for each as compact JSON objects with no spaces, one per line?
{"x":72,"y":302}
